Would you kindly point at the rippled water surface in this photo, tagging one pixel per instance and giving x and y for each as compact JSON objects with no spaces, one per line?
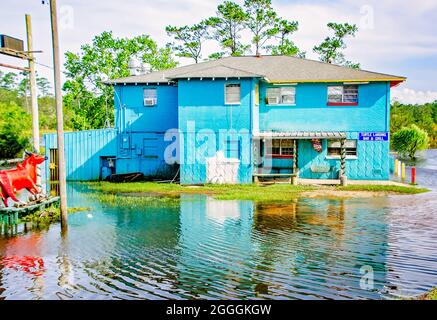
{"x":201,"y":248}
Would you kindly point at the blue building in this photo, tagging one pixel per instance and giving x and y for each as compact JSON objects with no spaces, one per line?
{"x":243,"y":119}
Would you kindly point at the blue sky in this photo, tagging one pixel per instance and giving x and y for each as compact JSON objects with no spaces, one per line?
{"x":396,"y":37}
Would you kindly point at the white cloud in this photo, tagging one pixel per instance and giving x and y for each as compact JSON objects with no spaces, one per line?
{"x":410,"y":96}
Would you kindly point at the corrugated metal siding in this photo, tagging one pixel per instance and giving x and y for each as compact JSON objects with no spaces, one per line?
{"x":83,"y":150}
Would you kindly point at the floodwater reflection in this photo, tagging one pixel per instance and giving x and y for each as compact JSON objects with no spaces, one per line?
{"x":202,"y":248}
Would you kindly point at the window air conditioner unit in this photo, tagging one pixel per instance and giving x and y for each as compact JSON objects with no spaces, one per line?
{"x":149,"y":102}
{"x":273,"y":100}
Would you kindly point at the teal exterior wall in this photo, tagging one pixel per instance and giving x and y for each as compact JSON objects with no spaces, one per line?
{"x":83,"y":152}
{"x":141,"y":143}
{"x":311,"y":113}
{"x":132,"y":116}
{"x":371,"y":163}
{"x":137,"y":140}
{"x":202,"y":114}
{"x":196,"y":109}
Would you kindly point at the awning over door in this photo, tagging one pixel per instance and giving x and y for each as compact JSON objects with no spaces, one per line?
{"x":302,"y":135}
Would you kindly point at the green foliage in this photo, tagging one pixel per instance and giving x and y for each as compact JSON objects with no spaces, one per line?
{"x":330,"y":49}
{"x":424,"y":116}
{"x":189,"y":40}
{"x":8,"y":81}
{"x":19,"y":94}
{"x":105,"y":58}
{"x":409,"y":140}
{"x":261,"y":21}
{"x":14,"y":137}
{"x":226,"y":28}
{"x":285,"y":46}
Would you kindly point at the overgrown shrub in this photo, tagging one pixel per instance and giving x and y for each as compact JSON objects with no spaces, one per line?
{"x":409,"y":140}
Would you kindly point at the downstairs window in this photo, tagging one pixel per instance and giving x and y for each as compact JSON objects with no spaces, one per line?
{"x":334,"y":149}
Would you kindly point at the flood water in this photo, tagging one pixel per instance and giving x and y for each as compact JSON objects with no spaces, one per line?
{"x":201,"y":248}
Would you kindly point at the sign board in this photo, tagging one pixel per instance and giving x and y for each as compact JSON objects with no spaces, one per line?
{"x":321,"y":169}
{"x":373,"y":136}
{"x":11,"y":46}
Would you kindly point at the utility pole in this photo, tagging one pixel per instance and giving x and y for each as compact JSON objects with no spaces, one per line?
{"x":59,"y":116}
{"x":32,"y":81}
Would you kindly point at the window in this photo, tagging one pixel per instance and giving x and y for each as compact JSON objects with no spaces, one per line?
{"x":150,"y":97}
{"x":232,"y":93}
{"x":334,"y":148}
{"x":233,"y":149}
{"x":282,"y":148}
{"x":347,"y":95}
{"x":281,"y":96}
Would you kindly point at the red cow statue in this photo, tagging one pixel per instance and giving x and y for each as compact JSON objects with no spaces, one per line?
{"x":22,"y":177}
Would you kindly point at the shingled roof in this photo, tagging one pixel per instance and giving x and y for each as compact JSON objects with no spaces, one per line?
{"x":271,"y":68}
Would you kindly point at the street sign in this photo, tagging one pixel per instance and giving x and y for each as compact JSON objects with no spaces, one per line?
{"x":373,"y":136}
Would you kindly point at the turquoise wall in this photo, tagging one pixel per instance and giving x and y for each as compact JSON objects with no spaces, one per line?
{"x":141,"y":144}
{"x":371,"y":163}
{"x":311,"y":112}
{"x":135,"y":117}
{"x":197,"y":108}
{"x":202,"y":109}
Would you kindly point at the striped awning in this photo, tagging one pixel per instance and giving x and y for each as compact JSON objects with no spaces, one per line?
{"x":302,"y":135}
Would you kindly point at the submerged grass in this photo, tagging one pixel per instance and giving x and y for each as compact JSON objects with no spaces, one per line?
{"x":149,"y":191}
{"x":383,"y":188}
{"x":137,"y":201}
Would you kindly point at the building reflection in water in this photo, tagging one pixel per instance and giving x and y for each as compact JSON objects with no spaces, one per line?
{"x":287,"y":250}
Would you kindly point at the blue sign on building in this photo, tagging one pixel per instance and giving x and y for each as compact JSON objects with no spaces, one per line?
{"x":373,"y":136}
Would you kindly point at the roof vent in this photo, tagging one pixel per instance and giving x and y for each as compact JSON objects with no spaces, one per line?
{"x":145,"y":68}
{"x":137,"y":68}
{"x":134,"y":66}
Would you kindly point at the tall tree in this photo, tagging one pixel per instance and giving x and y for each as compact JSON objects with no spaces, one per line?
{"x":227,"y":27}
{"x":105,"y":58}
{"x":189,"y":40}
{"x":8,"y":80}
{"x":285,"y":29}
{"x":330,"y":49}
{"x":261,"y":20}
{"x":44,"y":86}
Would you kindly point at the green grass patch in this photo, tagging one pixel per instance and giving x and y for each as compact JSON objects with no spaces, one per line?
{"x":276,"y":192}
{"x":134,"y":201}
{"x":140,"y":193}
{"x":383,"y":188}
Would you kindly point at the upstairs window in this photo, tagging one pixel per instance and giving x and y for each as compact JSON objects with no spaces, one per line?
{"x":281,"y":96}
{"x":343,"y":95}
{"x":334,"y":148}
{"x":150,"y":97}
{"x":282,"y":148}
{"x":232,"y":93}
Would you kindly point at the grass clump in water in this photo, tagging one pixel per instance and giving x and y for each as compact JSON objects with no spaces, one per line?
{"x":130,"y":201}
{"x":383,"y":188}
